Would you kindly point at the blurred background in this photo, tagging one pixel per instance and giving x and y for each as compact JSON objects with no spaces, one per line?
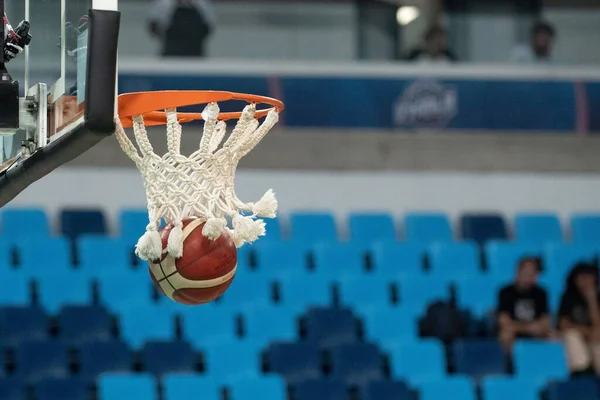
{"x":437,"y":172}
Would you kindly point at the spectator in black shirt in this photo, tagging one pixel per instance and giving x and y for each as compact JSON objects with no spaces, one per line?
{"x":523,"y":306}
{"x":579,"y":319}
{"x":435,"y":49}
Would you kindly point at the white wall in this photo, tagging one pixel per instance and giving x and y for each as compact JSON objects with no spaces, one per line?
{"x":113,"y":189}
{"x":578,"y":35}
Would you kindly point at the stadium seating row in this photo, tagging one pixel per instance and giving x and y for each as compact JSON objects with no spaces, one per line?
{"x":537,"y":228}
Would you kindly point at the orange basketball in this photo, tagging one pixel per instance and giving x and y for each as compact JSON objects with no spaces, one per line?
{"x":205,"y":270}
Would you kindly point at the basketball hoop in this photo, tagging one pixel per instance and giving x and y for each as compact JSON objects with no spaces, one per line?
{"x":200,"y":185}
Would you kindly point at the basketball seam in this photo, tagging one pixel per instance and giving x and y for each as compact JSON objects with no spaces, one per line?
{"x":168,"y":281}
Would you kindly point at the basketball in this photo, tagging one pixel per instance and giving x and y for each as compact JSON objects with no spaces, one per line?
{"x":205,"y":270}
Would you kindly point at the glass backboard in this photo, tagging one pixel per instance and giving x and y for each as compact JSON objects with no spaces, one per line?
{"x":71,"y":64}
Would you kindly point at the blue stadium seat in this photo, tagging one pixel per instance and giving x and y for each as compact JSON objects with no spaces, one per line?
{"x":378,"y":328}
{"x":160,"y":358}
{"x":453,"y":261}
{"x":478,"y":358}
{"x":23,"y":324}
{"x":365,"y":291}
{"x":281,"y":260}
{"x":356,"y":364}
{"x":61,"y":389}
{"x":539,"y":360}
{"x":37,"y":361}
{"x":427,"y":228}
{"x":478,"y":294}
{"x":413,"y":295}
{"x":330,"y":327}
{"x":150,"y":323}
{"x":51,"y":256}
{"x":208,"y":325}
{"x":334,"y":261}
{"x":179,"y":386}
{"x":462,"y":388}
{"x":418,"y":362}
{"x":84,"y":324}
{"x":313,"y":227}
{"x":133,"y":224}
{"x":247,"y":365}
{"x":127,"y":386}
{"x":3,"y":362}
{"x":100,"y":357}
{"x":585,"y":228}
{"x":502,"y":258}
{"x":121,"y":290}
{"x":320,"y":389}
{"x":538,"y":228}
{"x":55,"y":292}
{"x":482,"y":228}
{"x":574,"y":389}
{"x":282,"y":325}
{"x":295,"y":297}
{"x":20,"y":223}
{"x":386,"y":390}
{"x":263,"y":388}
{"x":508,"y":387}
{"x":397,"y":259}
{"x":14,"y":289}
{"x":75,"y":223}
{"x":369,"y":227}
{"x":554,"y":285}
{"x":6,"y":256}
{"x":12,"y":389}
{"x":100,"y":252}
{"x":560,"y":258}
{"x":251,"y":291}
{"x":297,"y":362}
{"x":274,"y":229}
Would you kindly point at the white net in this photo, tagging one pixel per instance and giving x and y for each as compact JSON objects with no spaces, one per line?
{"x":200,"y":185}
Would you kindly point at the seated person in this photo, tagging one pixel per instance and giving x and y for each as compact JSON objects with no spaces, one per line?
{"x":579,"y":319}
{"x":523,"y":306}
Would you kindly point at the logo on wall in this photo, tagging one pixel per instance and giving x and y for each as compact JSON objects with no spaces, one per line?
{"x":426,"y":104}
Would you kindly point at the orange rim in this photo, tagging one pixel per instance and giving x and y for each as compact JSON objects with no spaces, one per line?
{"x":150,"y":105}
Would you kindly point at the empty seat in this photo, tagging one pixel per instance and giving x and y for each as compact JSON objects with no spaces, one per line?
{"x":356,"y":364}
{"x":330,"y":327}
{"x":502,"y":258}
{"x":397,"y":259}
{"x":386,"y":390}
{"x":321,"y":390}
{"x":334,"y":261}
{"x":12,"y":389}
{"x":585,"y":228}
{"x":412,"y":294}
{"x":368,"y":227}
{"x":253,"y":291}
{"x":99,"y":357}
{"x":37,"y":361}
{"x":418,"y":362}
{"x":61,"y":389}
{"x":6,"y":256}
{"x":14,"y":289}
{"x":479,"y":358}
{"x":453,"y":261}
{"x":101,"y":252}
{"x":23,"y":324}
{"x":208,"y":325}
{"x":461,"y":388}
{"x":313,"y":227}
{"x":273,"y":229}
{"x":25,"y":222}
{"x":282,"y":325}
{"x":505,"y":387}
{"x":477,"y":294}
{"x":539,"y":360}
{"x":263,"y":388}
{"x":122,"y":290}
{"x":559,"y":259}
{"x":72,"y":288}
{"x":538,"y":228}
{"x":160,"y":358}
{"x":281,"y":260}
{"x":149,"y":323}
{"x":133,"y":224}
{"x":574,"y":389}
{"x":378,"y":328}
{"x":127,"y":386}
{"x":427,"y":227}
{"x":179,"y":386}
{"x":84,"y":324}
{"x":482,"y":228}
{"x":297,"y":362}
{"x":42,"y":256}
{"x":75,"y":223}
{"x":218,"y":365}
{"x":365,"y":291}
{"x":294,"y":296}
